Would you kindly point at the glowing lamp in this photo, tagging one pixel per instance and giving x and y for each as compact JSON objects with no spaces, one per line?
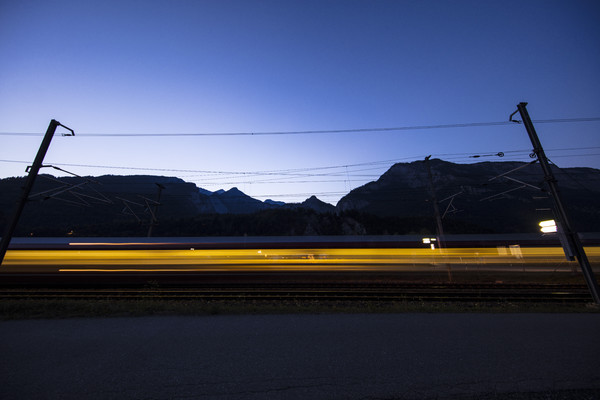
{"x":548,"y":226}
{"x":430,"y":241}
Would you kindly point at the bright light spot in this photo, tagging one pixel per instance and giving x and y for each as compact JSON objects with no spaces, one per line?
{"x":429,"y":241}
{"x":548,"y":226}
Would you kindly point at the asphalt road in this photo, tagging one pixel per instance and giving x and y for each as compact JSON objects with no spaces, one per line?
{"x":353,"y":356}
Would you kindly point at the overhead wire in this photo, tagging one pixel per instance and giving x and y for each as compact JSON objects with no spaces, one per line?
{"x":293,"y":175}
{"x":322,"y":131}
{"x":303,"y":172}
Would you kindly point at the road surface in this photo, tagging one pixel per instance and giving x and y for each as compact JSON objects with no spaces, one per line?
{"x":353,"y":356}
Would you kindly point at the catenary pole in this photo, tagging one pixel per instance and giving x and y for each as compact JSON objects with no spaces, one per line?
{"x":561,"y":213}
{"x":154,"y":215}
{"x":33,"y":173}
{"x":436,"y":210}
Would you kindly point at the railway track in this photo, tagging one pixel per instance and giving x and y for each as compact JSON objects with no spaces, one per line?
{"x":308,"y":292}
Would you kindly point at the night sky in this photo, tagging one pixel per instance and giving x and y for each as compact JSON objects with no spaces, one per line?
{"x":126,"y":68}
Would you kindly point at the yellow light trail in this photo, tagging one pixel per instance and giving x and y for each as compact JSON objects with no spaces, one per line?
{"x":162,"y":260}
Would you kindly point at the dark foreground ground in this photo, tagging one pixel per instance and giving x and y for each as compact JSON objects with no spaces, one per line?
{"x":304,"y":356}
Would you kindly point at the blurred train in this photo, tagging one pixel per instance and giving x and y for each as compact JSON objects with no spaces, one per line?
{"x":297,"y":242}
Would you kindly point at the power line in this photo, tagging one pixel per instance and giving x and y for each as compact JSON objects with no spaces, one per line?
{"x":294,"y":172}
{"x":309,"y":132}
{"x":298,"y":171}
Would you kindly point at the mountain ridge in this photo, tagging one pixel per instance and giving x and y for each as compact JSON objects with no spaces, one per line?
{"x":487,"y":192}
{"x":481,"y":197}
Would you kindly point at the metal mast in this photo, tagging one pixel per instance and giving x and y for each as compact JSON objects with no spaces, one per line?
{"x":436,"y":209}
{"x":33,"y":173}
{"x":438,"y":218}
{"x":561,"y":213}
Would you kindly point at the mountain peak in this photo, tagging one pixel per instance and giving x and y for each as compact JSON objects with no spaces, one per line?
{"x":235,"y":192}
{"x":274,"y":202}
{"x":319,"y":206}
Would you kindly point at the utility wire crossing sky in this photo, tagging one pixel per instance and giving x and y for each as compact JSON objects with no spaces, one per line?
{"x":402,"y":128}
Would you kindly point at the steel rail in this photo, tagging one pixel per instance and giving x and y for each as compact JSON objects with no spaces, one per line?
{"x":457,"y":293}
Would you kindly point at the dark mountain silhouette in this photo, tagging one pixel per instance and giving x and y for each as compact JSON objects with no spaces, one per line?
{"x":274,"y":202}
{"x":96,"y":200}
{"x":313,"y":203}
{"x":490,"y":197}
{"x":482,"y":194}
{"x":234,"y":201}
{"x":124,"y":202}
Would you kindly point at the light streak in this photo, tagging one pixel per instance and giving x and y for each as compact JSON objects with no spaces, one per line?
{"x":163,"y":260}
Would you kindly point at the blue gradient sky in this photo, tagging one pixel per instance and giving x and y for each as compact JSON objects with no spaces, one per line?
{"x":259,"y":66}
